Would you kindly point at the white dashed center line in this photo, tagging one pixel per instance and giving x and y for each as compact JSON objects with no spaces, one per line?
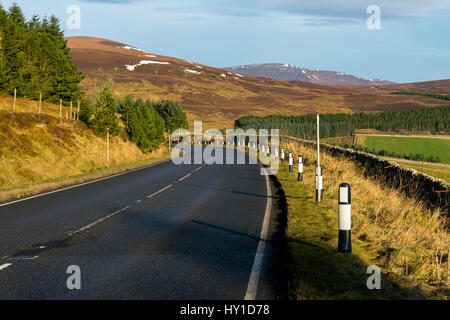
{"x":4,"y":266}
{"x":158,"y":192}
{"x":185,"y":177}
{"x":100,"y":220}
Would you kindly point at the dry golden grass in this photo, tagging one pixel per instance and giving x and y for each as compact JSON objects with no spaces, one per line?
{"x":40,"y":152}
{"x":409,"y":242}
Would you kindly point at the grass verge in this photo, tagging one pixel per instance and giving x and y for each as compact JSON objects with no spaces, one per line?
{"x":409,"y":243}
{"x":19,"y":192}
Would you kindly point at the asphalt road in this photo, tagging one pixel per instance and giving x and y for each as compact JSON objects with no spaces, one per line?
{"x":162,"y":232}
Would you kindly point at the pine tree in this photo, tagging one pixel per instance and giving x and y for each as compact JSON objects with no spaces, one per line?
{"x":105,"y":108}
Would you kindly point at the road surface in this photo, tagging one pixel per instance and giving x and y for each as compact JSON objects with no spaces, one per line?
{"x":161,"y":232}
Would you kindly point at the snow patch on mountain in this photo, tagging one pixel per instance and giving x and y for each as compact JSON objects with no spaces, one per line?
{"x":131,"y":48}
{"x":133,"y":66}
{"x":192,"y":71}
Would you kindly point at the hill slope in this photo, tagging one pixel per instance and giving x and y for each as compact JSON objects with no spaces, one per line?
{"x":216,"y":96}
{"x":289,"y":72}
{"x":43,"y":151}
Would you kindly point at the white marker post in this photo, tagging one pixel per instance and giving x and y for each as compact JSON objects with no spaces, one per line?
{"x":319,"y":182}
{"x":78,"y":109}
{"x":107,"y":147}
{"x":15,"y":97}
{"x":291,"y":162}
{"x":300,"y":168}
{"x":60,"y":108}
{"x":345,"y":218}
{"x":40,"y":102}
{"x":71,"y":110}
{"x":282,"y":154}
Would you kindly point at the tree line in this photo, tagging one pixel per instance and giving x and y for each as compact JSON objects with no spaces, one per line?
{"x":144,"y":122}
{"x":435,"y":120}
{"x":424,"y":94}
{"x":35,"y":58}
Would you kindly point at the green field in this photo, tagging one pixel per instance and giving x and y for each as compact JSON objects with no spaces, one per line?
{"x":408,"y":145}
{"x":437,"y":170}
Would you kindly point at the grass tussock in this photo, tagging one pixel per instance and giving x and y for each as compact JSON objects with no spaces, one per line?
{"x":408,"y":242}
{"x":39,"y":152}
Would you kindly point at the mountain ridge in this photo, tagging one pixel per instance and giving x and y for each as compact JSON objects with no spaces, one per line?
{"x":290,"y":72}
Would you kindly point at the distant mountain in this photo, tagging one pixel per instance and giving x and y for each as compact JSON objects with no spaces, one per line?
{"x":290,"y":72}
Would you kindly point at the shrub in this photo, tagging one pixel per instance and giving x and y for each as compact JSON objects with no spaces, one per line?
{"x":101,"y":115}
{"x":145,"y":127}
{"x":172,"y":115}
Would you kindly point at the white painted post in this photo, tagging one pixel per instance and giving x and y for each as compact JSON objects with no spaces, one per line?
{"x":291,"y":162}
{"x":40,"y":102}
{"x":300,"y":168}
{"x":319,"y":181}
{"x":345,"y":218}
{"x":70,"y":110}
{"x":107,"y":147}
{"x":318,"y":141}
{"x":15,"y":96}
{"x":282,"y":154}
{"x":60,"y":108}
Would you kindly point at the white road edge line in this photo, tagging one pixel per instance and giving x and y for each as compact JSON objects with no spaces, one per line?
{"x":100,"y":220}
{"x":252,"y":287}
{"x":158,"y":192}
{"x":4,"y":266}
{"x":84,"y":183}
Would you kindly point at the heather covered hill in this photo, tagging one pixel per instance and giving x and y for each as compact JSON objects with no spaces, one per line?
{"x":219,"y":97}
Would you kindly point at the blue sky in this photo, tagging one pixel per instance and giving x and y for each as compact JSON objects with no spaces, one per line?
{"x":412,"y":44}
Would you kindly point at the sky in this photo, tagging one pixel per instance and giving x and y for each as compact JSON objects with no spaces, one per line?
{"x":411,"y":44}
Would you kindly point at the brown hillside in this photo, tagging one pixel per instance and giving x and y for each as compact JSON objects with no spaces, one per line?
{"x":219,"y":97}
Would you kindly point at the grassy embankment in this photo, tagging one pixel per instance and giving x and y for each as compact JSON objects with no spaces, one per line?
{"x":409,"y":243}
{"x":43,"y":152}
